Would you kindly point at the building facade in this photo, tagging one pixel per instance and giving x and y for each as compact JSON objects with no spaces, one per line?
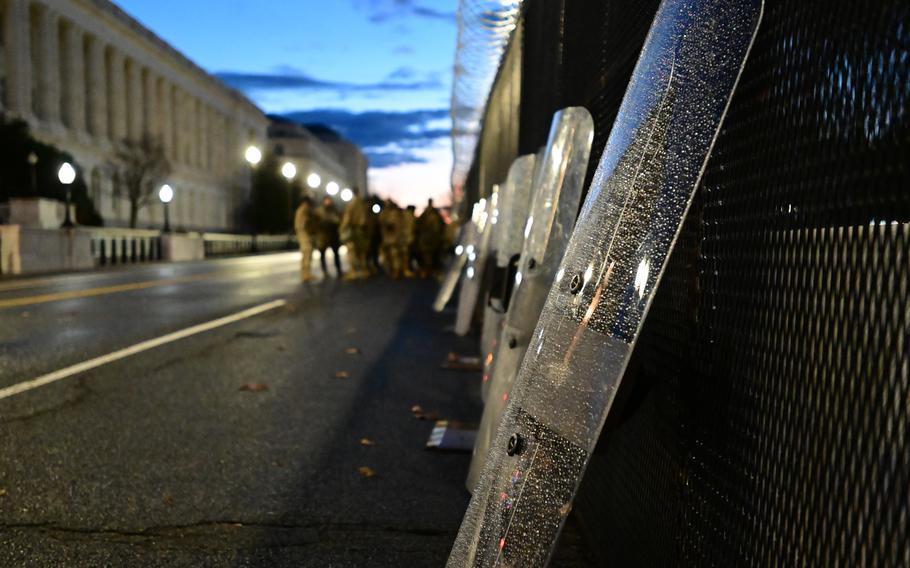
{"x":86,"y":76}
{"x":319,"y":161}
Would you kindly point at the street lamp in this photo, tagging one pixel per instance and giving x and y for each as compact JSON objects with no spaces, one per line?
{"x":331,"y":188}
{"x":166,"y":195}
{"x":313,"y":180}
{"x":289,"y":171}
{"x":347,"y":195}
{"x":33,"y":162}
{"x":253,"y":155}
{"x":377,"y":208}
{"x":67,"y":175}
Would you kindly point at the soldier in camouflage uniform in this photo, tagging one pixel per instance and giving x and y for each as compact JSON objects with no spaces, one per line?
{"x":305,"y":227}
{"x":390,"y":226}
{"x":430,"y":240}
{"x":406,"y":239}
{"x":354,"y":232}
{"x":327,"y":235}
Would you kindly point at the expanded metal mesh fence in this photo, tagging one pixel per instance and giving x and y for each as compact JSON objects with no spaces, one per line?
{"x":765,"y":418}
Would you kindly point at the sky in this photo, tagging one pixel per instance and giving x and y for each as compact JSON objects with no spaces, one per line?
{"x":378,"y":71}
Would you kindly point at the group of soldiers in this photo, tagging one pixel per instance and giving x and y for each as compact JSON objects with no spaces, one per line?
{"x":370,"y":230}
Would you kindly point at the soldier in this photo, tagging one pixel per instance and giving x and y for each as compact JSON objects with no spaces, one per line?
{"x":430,"y":236}
{"x":305,"y":226}
{"x":355,"y":234}
{"x":327,"y":235}
{"x":390,"y":227}
{"x":375,"y":236}
{"x":406,"y":239}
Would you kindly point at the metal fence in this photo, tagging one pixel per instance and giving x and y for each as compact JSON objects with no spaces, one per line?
{"x":764,"y":418}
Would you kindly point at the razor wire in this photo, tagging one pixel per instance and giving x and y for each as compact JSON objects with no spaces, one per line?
{"x":484,"y":28}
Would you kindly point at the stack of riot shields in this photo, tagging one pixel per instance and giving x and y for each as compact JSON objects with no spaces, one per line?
{"x":578,"y":352}
{"x":558,"y":179}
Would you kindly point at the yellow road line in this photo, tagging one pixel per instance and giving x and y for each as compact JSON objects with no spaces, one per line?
{"x":89,"y":292}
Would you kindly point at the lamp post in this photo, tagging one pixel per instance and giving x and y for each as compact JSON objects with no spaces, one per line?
{"x":313,"y":180}
{"x":253,"y":156}
{"x":347,"y":195}
{"x":67,"y":175}
{"x":332,"y":188}
{"x":33,"y":162}
{"x":289,"y":171}
{"x":166,"y":195}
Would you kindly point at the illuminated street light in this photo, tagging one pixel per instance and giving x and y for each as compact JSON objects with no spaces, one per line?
{"x":313,"y":180}
{"x":253,"y":155}
{"x":166,"y":195}
{"x":377,"y":208}
{"x":289,"y":171}
{"x":67,"y":175}
{"x":331,"y":188}
{"x":347,"y":195}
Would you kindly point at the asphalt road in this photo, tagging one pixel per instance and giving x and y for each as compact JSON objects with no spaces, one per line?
{"x":160,"y":459}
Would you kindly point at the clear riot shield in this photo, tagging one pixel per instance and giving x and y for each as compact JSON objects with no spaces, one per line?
{"x":477,"y":255}
{"x":558,"y":181}
{"x":652,"y":163}
{"x":509,"y":222}
{"x":467,"y":242}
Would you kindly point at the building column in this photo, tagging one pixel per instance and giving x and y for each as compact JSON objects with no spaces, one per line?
{"x":134,"y":112}
{"x":19,"y":57}
{"x":116,"y":97}
{"x":97,"y":119}
{"x":202,"y":129}
{"x":166,"y":121}
{"x":150,"y":106}
{"x":47,"y":53}
{"x":74,"y":101}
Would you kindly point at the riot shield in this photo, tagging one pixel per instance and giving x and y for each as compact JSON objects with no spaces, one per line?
{"x":558,"y":181}
{"x":508,"y":229}
{"x":475,"y":265}
{"x":653,"y":161}
{"x":456,"y":267}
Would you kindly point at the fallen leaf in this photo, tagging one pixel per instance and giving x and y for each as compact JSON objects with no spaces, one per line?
{"x":342,"y":375}
{"x":254,"y":387}
{"x":281,"y":348}
{"x":3,"y":493}
{"x":168,"y":500}
{"x":366,"y":471}
{"x":352,"y":351}
{"x":367,"y":442}
{"x":26,"y":314}
{"x":279,"y":464}
{"x":565,"y":509}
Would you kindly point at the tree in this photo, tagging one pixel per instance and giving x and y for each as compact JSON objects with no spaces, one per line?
{"x":143,"y":169}
{"x":19,"y":178}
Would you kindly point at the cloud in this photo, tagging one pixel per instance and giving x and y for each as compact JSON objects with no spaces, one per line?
{"x":381,"y":11}
{"x":292,"y":79}
{"x":388,"y":138}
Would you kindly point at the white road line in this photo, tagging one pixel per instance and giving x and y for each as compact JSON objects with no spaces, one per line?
{"x":134,"y":349}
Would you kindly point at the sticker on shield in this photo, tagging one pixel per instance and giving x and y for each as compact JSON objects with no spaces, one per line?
{"x":661,"y":139}
{"x":559,"y":176}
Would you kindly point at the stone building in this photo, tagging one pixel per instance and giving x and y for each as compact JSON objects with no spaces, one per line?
{"x":319,"y":162}
{"x":85,"y":76}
